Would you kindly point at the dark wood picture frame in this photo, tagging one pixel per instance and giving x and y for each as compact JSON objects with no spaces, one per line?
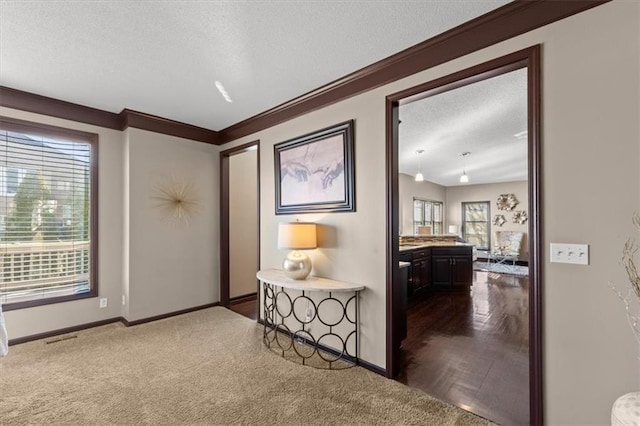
{"x":315,"y":172}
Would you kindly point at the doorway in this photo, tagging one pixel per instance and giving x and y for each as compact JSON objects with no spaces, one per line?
{"x":528,"y":61}
{"x":240,"y":226}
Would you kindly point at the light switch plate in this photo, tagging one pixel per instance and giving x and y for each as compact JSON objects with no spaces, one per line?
{"x":577,"y":254}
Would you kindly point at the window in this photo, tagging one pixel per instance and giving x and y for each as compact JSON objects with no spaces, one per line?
{"x":427,"y":213}
{"x":475,"y":224}
{"x":48,"y":212}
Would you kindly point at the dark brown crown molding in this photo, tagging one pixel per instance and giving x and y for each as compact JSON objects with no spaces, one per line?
{"x":511,"y":20}
{"x":25,"y":101}
{"x":141,"y":120}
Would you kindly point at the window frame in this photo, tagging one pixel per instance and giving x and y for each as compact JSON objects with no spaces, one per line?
{"x":488,"y":222}
{"x":432,"y":222}
{"x":46,"y":130}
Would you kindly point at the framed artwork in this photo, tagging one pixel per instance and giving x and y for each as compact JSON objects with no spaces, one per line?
{"x":315,"y":172}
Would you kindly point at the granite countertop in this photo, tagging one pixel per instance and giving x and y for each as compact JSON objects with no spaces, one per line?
{"x":414,"y":246}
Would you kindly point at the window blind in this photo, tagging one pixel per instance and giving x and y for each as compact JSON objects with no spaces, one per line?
{"x":45,"y":217}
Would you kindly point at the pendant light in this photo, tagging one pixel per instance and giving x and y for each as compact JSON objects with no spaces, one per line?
{"x":419,"y":177}
{"x":464,"y":178}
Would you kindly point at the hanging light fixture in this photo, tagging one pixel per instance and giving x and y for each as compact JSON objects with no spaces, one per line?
{"x":419,"y":177}
{"x":464,"y":178}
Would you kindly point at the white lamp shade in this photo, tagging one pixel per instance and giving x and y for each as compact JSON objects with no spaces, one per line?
{"x":419,"y":177}
{"x":464,"y":178}
{"x":297,"y":236}
{"x":453,"y":229}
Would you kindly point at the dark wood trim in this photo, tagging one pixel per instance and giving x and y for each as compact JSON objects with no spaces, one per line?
{"x":224,"y":218}
{"x":242,"y":299}
{"x":394,"y":322}
{"x":25,"y":101}
{"x":167,"y":315}
{"x":46,"y":335}
{"x":47,"y":130}
{"x":141,"y":120}
{"x":372,"y":367}
{"x":510,"y":20}
{"x":534,"y":79}
{"x":529,"y":58}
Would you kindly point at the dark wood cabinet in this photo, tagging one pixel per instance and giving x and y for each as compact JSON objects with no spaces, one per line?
{"x":452,"y":267}
{"x":421,"y":269}
{"x":437,"y":267}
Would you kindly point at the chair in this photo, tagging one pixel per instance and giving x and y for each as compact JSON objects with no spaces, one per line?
{"x":508,"y":245}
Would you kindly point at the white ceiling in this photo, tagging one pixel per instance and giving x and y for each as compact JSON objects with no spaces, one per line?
{"x":163,"y":57}
{"x":482,"y":118}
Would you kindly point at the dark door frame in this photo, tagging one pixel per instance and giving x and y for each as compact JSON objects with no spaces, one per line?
{"x":224,"y":216}
{"x":527,"y":58}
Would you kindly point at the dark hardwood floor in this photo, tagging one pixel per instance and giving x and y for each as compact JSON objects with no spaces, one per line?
{"x":245,"y":307}
{"x":471,"y":348}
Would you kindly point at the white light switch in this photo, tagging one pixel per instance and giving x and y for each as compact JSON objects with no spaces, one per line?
{"x":577,"y":254}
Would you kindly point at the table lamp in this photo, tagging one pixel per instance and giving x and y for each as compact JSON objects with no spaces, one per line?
{"x":297,"y":236}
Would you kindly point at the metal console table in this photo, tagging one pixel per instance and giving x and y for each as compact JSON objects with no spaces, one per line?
{"x":290,"y":314}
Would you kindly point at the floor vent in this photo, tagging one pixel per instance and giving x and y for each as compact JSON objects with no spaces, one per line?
{"x":60,"y":339}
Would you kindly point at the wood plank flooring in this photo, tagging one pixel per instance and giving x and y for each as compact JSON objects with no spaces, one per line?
{"x":468,"y":348}
{"x":246,"y":308}
{"x":471,"y":348}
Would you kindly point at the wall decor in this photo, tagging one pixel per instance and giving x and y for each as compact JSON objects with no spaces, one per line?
{"x":176,"y":198}
{"x":520,"y":217}
{"x":507,"y":202}
{"x":315,"y":172}
{"x":499,"y":220}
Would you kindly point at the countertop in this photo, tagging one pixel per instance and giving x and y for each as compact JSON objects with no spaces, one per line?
{"x":435,"y":244}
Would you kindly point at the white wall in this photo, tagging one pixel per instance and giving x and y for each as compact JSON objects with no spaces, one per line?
{"x":172,"y":265}
{"x":590,"y":136}
{"x":456,"y":195}
{"x":243,"y":223}
{"x":26,"y":322}
{"x":408,"y":189}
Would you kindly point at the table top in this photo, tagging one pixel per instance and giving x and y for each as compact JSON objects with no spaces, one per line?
{"x":277,"y":277}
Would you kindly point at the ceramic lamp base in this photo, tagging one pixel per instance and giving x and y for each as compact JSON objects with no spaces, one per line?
{"x":296,"y":265}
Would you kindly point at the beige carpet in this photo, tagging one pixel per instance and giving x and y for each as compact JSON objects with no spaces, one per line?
{"x":206,"y":367}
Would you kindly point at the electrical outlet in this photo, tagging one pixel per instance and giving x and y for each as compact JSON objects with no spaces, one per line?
{"x":577,"y":254}
{"x":103,"y":302}
{"x":124,"y":300}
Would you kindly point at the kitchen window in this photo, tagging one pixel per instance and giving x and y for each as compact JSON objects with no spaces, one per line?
{"x":48,"y":206}
{"x":475,"y":224}
{"x":428,"y":213}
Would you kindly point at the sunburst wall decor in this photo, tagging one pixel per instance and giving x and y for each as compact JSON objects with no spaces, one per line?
{"x":176,"y":198}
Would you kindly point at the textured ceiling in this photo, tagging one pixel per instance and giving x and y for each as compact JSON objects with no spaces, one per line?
{"x":163,"y":57}
{"x":482,"y":118}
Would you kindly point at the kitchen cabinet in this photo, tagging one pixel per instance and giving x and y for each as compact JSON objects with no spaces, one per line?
{"x":421,"y":269}
{"x":452,"y":267}
{"x":444,"y":267}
